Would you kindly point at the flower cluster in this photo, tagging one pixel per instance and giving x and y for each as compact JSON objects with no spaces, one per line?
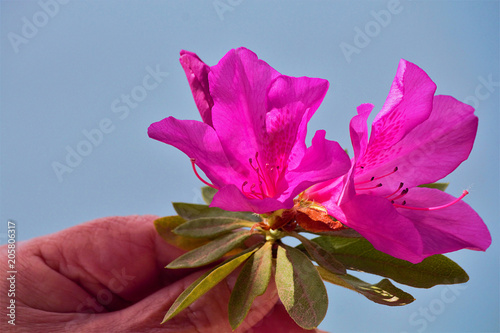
{"x":251,"y":146}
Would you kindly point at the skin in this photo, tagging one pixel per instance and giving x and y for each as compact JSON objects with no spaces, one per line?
{"x":108,"y":275}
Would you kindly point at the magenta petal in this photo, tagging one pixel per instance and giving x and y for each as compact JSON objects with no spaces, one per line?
{"x":377,"y":220}
{"x":448,"y":229}
{"x":199,"y":141}
{"x":409,"y":103}
{"x":359,"y":130}
{"x":291,"y":102}
{"x":230,"y":198}
{"x":197,"y":75}
{"x":327,"y":194}
{"x":322,"y":161}
{"x":359,"y":138}
{"x":432,"y":150}
{"x":238,"y":85}
{"x":437,"y":146}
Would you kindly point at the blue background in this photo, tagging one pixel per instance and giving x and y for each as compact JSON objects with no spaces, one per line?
{"x":62,"y":76}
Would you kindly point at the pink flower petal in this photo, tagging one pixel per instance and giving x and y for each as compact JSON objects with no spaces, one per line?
{"x":409,"y":103}
{"x":238,"y":85}
{"x":448,"y":229}
{"x":333,"y":192}
{"x":359,"y":130}
{"x":199,"y":141}
{"x":322,"y":161}
{"x":413,"y":235}
{"x":291,"y":102}
{"x":431,"y":151}
{"x":376,"y":219}
{"x":197,"y":75}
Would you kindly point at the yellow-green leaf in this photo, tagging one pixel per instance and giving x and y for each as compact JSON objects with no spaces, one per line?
{"x":211,"y":226}
{"x":383,"y":292}
{"x":211,"y":251}
{"x":321,"y":256}
{"x":439,"y":186}
{"x":195,"y":211}
{"x":252,"y":282}
{"x":206,"y":282}
{"x":165,"y":226}
{"x":300,"y":287}
{"x":208,"y":193}
{"x":359,"y":254}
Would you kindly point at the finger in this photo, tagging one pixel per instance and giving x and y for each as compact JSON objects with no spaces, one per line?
{"x":120,"y":259}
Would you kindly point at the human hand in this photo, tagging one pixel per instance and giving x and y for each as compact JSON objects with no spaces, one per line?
{"x":108,"y":275}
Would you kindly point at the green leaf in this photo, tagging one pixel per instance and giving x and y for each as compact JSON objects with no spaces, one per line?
{"x":206,"y":282}
{"x":300,"y":287}
{"x":208,"y":193}
{"x":359,"y":254}
{"x":211,"y":251}
{"x":211,"y":226}
{"x":165,"y":226}
{"x":321,"y":256}
{"x":252,"y":282}
{"x":439,"y":186}
{"x":194,"y":211}
{"x":383,"y":292}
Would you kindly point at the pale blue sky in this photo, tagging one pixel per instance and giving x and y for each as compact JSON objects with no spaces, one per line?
{"x":67,"y":70}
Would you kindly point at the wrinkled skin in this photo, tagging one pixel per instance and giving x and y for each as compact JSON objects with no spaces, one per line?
{"x":120,"y":262}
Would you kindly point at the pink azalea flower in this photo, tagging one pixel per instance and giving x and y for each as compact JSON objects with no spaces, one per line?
{"x":417,"y":138}
{"x":251,"y":143}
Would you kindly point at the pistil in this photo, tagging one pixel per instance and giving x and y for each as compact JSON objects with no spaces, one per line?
{"x":464,"y":193}
{"x":193,"y":160}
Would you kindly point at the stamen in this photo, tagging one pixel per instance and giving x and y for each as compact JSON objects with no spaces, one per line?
{"x":380,"y":177}
{"x":464,"y":193}
{"x":267,"y":178}
{"x":369,"y":188}
{"x":262,"y":189}
{"x":257,"y":160}
{"x":193,"y":160}
{"x":250,"y":194}
{"x":264,"y":177}
{"x":251,"y":163}
{"x":403,"y":193}
{"x":393,"y":193}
